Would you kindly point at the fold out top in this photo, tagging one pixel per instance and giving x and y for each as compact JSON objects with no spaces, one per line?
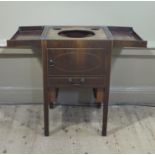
{"x":31,"y":36}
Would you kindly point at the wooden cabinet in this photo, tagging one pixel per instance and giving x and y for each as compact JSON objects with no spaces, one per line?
{"x":76,"y":56}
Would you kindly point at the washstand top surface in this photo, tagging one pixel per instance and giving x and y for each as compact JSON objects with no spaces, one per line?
{"x":75,"y":33}
{"x":76,"y":36}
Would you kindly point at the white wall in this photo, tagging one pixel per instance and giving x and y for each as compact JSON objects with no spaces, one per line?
{"x":133,"y":77}
{"x":140,"y":15}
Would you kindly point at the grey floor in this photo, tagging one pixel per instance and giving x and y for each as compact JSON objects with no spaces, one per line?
{"x":77,"y":130}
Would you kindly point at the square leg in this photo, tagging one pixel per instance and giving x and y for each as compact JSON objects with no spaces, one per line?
{"x":105,"y":113}
{"x":46,"y":119}
{"x":105,"y":116}
{"x":102,"y":96}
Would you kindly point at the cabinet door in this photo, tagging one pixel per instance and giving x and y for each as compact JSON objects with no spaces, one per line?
{"x":75,"y":62}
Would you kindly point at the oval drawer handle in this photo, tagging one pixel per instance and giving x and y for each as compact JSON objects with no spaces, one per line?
{"x":71,"y":81}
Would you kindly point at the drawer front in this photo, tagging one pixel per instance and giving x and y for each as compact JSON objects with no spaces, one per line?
{"x":76,"y":81}
{"x":77,"y":62}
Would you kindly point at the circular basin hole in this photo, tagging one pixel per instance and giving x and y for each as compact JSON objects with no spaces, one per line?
{"x":76,"y":33}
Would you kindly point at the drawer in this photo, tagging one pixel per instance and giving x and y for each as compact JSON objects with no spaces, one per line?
{"x":76,"y":81}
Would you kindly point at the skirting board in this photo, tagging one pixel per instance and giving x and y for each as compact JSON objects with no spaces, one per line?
{"x":132,"y":95}
{"x":12,"y":95}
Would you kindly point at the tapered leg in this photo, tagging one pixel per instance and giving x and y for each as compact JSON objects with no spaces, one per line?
{"x":46,"y":119}
{"x":104,"y":123}
{"x":102,"y":96}
{"x":45,"y":92}
{"x":105,"y":114}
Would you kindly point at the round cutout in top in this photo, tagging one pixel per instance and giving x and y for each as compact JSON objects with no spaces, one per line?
{"x":76,"y":33}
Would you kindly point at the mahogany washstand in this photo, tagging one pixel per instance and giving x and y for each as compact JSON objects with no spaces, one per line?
{"x":76,"y":56}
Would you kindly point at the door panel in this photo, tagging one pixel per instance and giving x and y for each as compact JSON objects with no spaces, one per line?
{"x":75,"y":62}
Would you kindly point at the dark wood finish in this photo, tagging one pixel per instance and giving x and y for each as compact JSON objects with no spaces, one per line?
{"x":105,"y":94}
{"x":126,"y":37}
{"x":77,"y":62}
{"x":45,"y":89}
{"x":82,"y":67}
{"x":76,"y":56}
{"x":27,"y":37}
{"x":76,"y":82}
{"x":31,"y":36}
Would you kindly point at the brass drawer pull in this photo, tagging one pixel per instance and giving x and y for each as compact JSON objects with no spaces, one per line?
{"x":76,"y":82}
